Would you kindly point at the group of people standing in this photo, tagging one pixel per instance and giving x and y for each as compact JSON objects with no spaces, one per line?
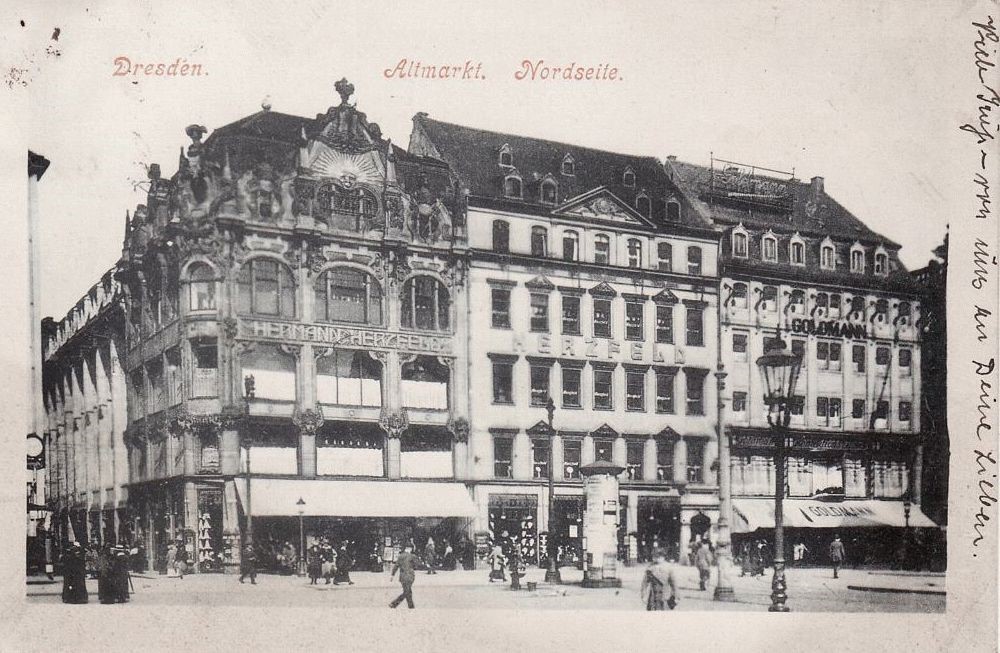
{"x":323,"y":560}
{"x":110,"y":566}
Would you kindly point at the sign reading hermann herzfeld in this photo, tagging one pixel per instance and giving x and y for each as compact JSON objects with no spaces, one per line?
{"x":339,"y":336}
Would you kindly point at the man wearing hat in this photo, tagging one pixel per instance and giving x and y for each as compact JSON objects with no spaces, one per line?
{"x":74,"y":575}
{"x":405,"y":564}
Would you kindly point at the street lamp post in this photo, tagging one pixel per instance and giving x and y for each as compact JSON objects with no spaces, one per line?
{"x":552,"y":572}
{"x":302,"y":536}
{"x":907,"y":505}
{"x":780,"y":371}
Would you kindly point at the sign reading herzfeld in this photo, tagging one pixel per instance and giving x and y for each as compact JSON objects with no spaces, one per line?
{"x":339,"y":336}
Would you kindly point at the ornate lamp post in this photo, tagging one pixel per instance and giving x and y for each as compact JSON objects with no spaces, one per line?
{"x":552,"y":573}
{"x":302,"y":536}
{"x":779,"y":370}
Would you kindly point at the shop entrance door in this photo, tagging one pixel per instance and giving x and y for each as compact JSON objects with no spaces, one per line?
{"x":517,"y":516}
{"x":567,"y":521}
{"x":659,"y":525}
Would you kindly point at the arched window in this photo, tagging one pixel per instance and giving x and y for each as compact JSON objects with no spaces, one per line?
{"x":602,"y":249}
{"x":506,"y":158}
{"x":548,"y":192}
{"x":634,"y":253}
{"x":740,"y":248}
{"x":568,"y":165}
{"x":265,"y":287}
{"x":769,"y":299}
{"x":797,"y":302}
{"x":628,"y":178}
{"x":571,"y":246}
{"x":882,"y":307}
{"x":348,"y":295}
{"x":881,"y":263}
{"x":642,"y":205}
{"x":665,"y":254}
{"x":202,"y":287}
{"x":539,"y":241}
{"x":674,"y":211}
{"x":769,"y":248}
{"x":426,"y":304}
{"x":827,"y":257}
{"x":501,"y":237}
{"x":740,"y":295}
{"x":512,"y":187}
{"x":858,"y":306}
{"x":822,"y":303}
{"x":694,"y":260}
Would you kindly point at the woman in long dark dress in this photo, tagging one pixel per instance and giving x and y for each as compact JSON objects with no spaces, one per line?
{"x":119,"y":574}
{"x":105,"y":583}
{"x":344,"y":563}
{"x":74,"y":575}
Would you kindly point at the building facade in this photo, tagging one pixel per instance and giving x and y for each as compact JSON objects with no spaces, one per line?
{"x":593,"y":286}
{"x":796,"y":265}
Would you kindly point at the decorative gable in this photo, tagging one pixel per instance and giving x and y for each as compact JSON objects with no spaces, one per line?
{"x":665,"y":296}
{"x":540,"y":283}
{"x":603,"y":289}
{"x":601,"y":205}
{"x":604,"y":431}
{"x":540,"y":428}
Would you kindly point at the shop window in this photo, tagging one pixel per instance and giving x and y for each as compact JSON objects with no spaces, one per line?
{"x":424,"y":383}
{"x":665,"y":257}
{"x":539,"y":242}
{"x":572,"y":454}
{"x":828,"y":411}
{"x":740,"y":341}
{"x":202,"y":288}
{"x":348,"y":295}
{"x":503,"y":382}
{"x":426,"y":304}
{"x":602,"y":249}
{"x":635,"y":391}
{"x":859,"y":354}
{"x":633,"y":320}
{"x":634,"y":451}
{"x":664,"y":460}
{"x":905,"y":361}
{"x":665,"y":392}
{"x":503,"y":456}
{"x":740,"y":248}
{"x":800,"y":481}
{"x":571,"y":246}
{"x":570,"y":315}
{"x":694,"y":260}
{"x":512,"y":187}
{"x":268,"y":373}
{"x":634,"y":253}
{"x":739,"y":402}
{"x":548,"y":192}
{"x":855,"y":478}
{"x":540,"y":458}
{"x":265,"y":287}
{"x":603,"y":389}
{"x":695,"y":381}
{"x":425,"y":452}
{"x":205,"y":369}
{"x":890,"y":479}
{"x":740,"y":297}
{"x":695,"y":461}
{"x":539,"y":385}
{"x":828,"y":355}
{"x":602,"y":318}
{"x":349,"y":378}
{"x":828,"y":476}
{"x":501,"y":237}
{"x":540,"y":312}
{"x":500,"y":305}
{"x":571,"y":387}
{"x":695,"y":335}
{"x":664,"y":323}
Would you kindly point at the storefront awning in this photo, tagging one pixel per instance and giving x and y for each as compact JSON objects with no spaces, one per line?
{"x":278,"y":497}
{"x":751,"y":514}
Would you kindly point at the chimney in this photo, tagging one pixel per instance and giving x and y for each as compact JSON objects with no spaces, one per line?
{"x":817,"y":186}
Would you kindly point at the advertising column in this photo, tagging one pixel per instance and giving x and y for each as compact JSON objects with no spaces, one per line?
{"x":600,"y":524}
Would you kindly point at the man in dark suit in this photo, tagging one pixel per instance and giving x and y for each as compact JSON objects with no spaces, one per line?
{"x":404,"y":564}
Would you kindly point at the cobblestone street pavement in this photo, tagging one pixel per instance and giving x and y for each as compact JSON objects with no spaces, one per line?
{"x":809,"y":590}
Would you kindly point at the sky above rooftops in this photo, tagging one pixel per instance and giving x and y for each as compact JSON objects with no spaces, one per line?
{"x":840,"y":91}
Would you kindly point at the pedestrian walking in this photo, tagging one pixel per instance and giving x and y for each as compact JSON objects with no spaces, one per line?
{"x":105,"y":579}
{"x":180,"y":561}
{"x":344,"y":563}
{"x":248,"y":564}
{"x":120,"y":575}
{"x":329,"y":563}
{"x":171,"y":559}
{"x":659,"y":583}
{"x":703,"y":562}
{"x":497,"y":564}
{"x":430,"y":556}
{"x":836,"y":554}
{"x":404,"y":564}
{"x":74,"y":575}
{"x":314,"y":564}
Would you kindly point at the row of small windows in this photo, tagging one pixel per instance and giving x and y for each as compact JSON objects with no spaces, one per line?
{"x":603,"y":320}
{"x":824,"y":304}
{"x":602,"y":248}
{"x":797,"y":253}
{"x":342,"y":294}
{"x":567,"y":167}
{"x":513,"y":187}
{"x":829,"y":410}
{"x":603,"y":387}
{"x":829,"y":354}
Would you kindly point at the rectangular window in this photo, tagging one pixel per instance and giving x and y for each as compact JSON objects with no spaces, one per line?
{"x":695,"y":461}
{"x":633,"y":459}
{"x":664,"y":323}
{"x":540,"y":452}
{"x":828,"y":355}
{"x":665,"y":392}
{"x":503,"y":450}
{"x":797,"y":409}
{"x":882,"y":356}
{"x":570,"y":315}
{"x":539,"y":242}
{"x":740,"y":346}
{"x":664,"y":460}
{"x":664,"y":252}
{"x":602,"y":318}
{"x":905,"y":361}
{"x":501,"y":308}
{"x":572,"y":453}
{"x":604,"y":450}
{"x":695,"y":392}
{"x":539,"y":312}
{"x":539,"y":385}
{"x":834,"y":310}
{"x":694,"y":260}
{"x":635,"y":391}
{"x":828,"y":411}
{"x":858,"y":354}
{"x":570,"y":387}
{"x":633,"y":320}
{"x":695,"y":327}
{"x":858,"y":409}
{"x":602,"y":250}
{"x":503,"y":383}
{"x":603,"y":389}
{"x":769,"y":299}
{"x":881,"y":409}
{"x":739,"y":402}
{"x":905,"y":411}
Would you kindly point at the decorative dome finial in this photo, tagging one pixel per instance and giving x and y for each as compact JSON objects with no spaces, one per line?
{"x":345,"y":89}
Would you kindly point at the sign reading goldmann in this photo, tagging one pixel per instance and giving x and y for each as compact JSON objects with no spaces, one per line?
{"x":338,"y":336}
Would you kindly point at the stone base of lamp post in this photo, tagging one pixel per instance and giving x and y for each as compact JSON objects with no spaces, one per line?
{"x":778,"y":587}
{"x":724,"y":588}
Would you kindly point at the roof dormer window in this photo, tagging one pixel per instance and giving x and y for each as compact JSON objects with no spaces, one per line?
{"x":881,"y":261}
{"x":827,"y":255}
{"x":769,"y":247}
{"x":628,"y":178}
{"x":741,"y":240}
{"x":643,"y":205}
{"x":673,"y":210}
{"x":512,"y":187}
{"x":506,"y":156}
{"x":797,"y":250}
{"x":547,"y":192}
{"x":857,"y":258}
{"x":568,"y":165}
